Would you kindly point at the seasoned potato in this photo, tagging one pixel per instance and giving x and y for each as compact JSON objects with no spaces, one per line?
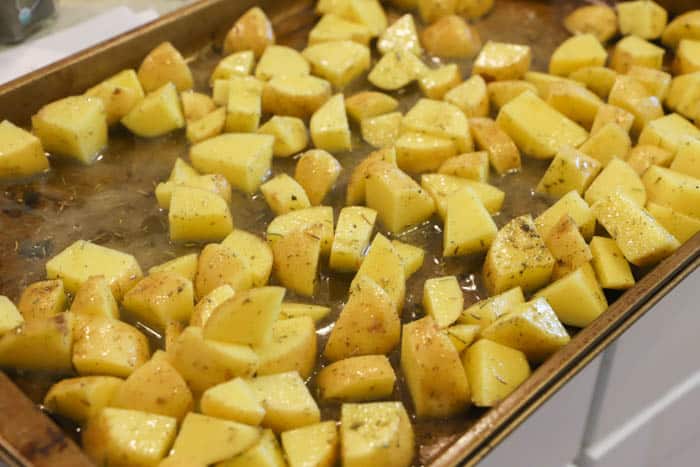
{"x":573,"y":205}
{"x":598,"y":20}
{"x":182,"y":172}
{"x":287,"y":401}
{"x":577,"y":52}
{"x":683,"y":95}
{"x":163,"y":65}
{"x":54,"y":336}
{"x":668,"y":132}
{"x":673,"y":189}
{"x":451,"y":37}
{"x":443,"y":300}
{"x":355,"y":192}
{"x":312,"y":445}
{"x":468,"y":227}
{"x":440,"y":187}
{"x":244,"y":105}
{"x":617,"y":176}
{"x":431,"y":10}
{"x":119,"y":94}
{"x":680,"y":225}
{"x":544,"y":81}
{"x":434,"y":374}
{"x":611,"y":268}
{"x":644,"y":156}
{"x":292,"y":347}
{"x":471,"y":97}
{"x":234,"y":400}
{"x":687,"y":158}
{"x":611,"y":114}
{"x":418,"y":152}
{"x":206,"y":127}
{"x":317,"y":171}
{"x":252,"y":250}
{"x":215,"y":183}
{"x":42,"y":300}
{"x":80,"y":399}
{"x":685,"y":26}
{"x":280,"y":60}
{"x":462,"y":335}
{"x":296,"y":257}
{"x":633,"y":50}
{"x":657,"y":82}
{"x":297,"y":310}
{"x":369,"y":13}
{"x":74,"y":127}
{"x":438,"y":119}
{"x":332,"y":27}
{"x":295,"y":96}
{"x":357,"y":379}
{"x":576,"y":102}
{"x":10,"y":317}
{"x":284,"y":194}
{"x":303,"y":219}
{"x":208,"y":303}
{"x":352,"y":235}
{"x":94,"y":297}
{"x":157,"y":114}
{"x":383,"y":130}
{"x":21,"y":153}
{"x":338,"y":62}
{"x":498,"y":61}
{"x":396,"y":70}
{"x":568,"y":247}
{"x":220,"y":265}
{"x":237,"y":64}
{"x":411,"y":256}
{"x":436,"y":83}
{"x":642,"y":18}
{"x":486,"y":311}
{"x":329,"y":126}
{"x":383,"y":264}
{"x":494,"y":371}
{"x":198,"y":215}
{"x":367,"y":104}
{"x":290,"y":135}
{"x":472,"y":165}
{"x":266,"y":453}
{"x":252,"y":31}
{"x":570,"y":170}
{"x":517,"y":257}
{"x":631,"y":95}
{"x":160,"y":298}
{"x":401,"y":36}
{"x":488,"y":136}
{"x":186,"y":266}
{"x":502,"y":92}
{"x":609,"y":142}
{"x":598,"y":79}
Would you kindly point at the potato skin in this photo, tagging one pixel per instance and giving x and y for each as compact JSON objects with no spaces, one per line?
{"x":253,"y":31}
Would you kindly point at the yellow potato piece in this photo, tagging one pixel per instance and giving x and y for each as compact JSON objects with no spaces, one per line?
{"x":42,"y":299}
{"x":266,"y":453}
{"x":598,"y":79}
{"x":383,"y":130}
{"x":612,"y":114}
{"x":668,"y":132}
{"x":669,"y":188}
{"x":468,"y":227}
{"x":502,"y":92}
{"x":198,"y":215}
{"x":290,"y":135}
{"x":317,"y":171}
{"x":357,"y":379}
{"x":617,"y":176}
{"x":280,"y":60}
{"x":220,"y":265}
{"x":685,"y":26}
{"x":236,"y":64}
{"x":10,"y":317}
{"x":234,"y":400}
{"x":186,"y":266}
{"x":296,"y":258}
{"x":642,"y":18}
{"x":599,"y":20}
{"x":163,"y":65}
{"x":208,"y":303}
{"x":80,"y":399}
{"x":295,"y":96}
{"x":316,"y":445}
{"x":160,"y":298}
{"x":244,"y":104}
{"x":54,"y":336}
{"x":631,"y":95}
{"x":119,"y":94}
{"x":575,"y":102}
{"x":573,"y":205}
{"x":436,"y":83}
{"x":471,"y":97}
{"x":451,"y":37}
{"x":332,"y":27}
{"x":679,"y":225}
{"x":687,"y":158}
{"x":411,"y":256}
{"x":570,"y":170}
{"x":499,"y":61}
{"x":644,"y":156}
{"x":291,"y":348}
{"x":609,"y":142}
{"x":339,"y":62}
{"x":657,"y":82}
{"x":21,"y":153}
{"x":487,"y":311}
{"x":443,"y":300}
{"x":633,"y":50}
{"x":440,"y":187}
{"x":252,"y":250}
{"x":401,"y":36}
{"x":352,"y":236}
{"x":575,"y":53}
{"x":303,"y":219}
{"x":568,"y":247}
{"x":367,"y":104}
{"x":329,"y":126}
{"x":611,"y":268}
{"x":252,"y":31}
{"x":284,"y":194}
{"x":396,"y":70}
{"x":472,"y":165}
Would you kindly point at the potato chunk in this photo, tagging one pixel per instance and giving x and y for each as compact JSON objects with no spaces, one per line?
{"x":611,"y":268}
{"x":573,"y":205}
{"x":160,"y":298}
{"x":633,"y":50}
{"x":680,"y":225}
{"x":575,"y":102}
{"x":185,"y":266}
{"x":54,"y":336}
{"x":451,"y":37}
{"x":568,"y":247}
{"x":673,"y":189}
{"x":297,"y":310}
{"x":291,"y":348}
{"x":284,"y":194}
{"x":208,"y":303}
{"x":471,"y":97}
{"x":266,"y":453}
{"x":303,"y":219}
{"x":468,"y":227}
{"x":234,"y":400}
{"x":236,"y":64}
{"x":422,"y":152}
{"x":355,"y":192}
{"x":121,"y":437}
{"x":21,"y":153}
{"x":73,"y":127}
{"x":436,"y":83}
{"x":253,"y":251}
{"x":401,"y":36}
{"x":213,"y":183}
{"x":352,"y":235}
{"x":80,"y":399}
{"x":612,"y":114}
{"x":312,"y":445}
{"x":657,"y":82}
{"x":296,"y":259}
{"x":486,"y":311}
{"x":295,"y":96}
{"x":668,"y":132}
{"x":367,"y":104}
{"x":357,"y":379}
{"x":598,"y":79}
{"x":376,"y":433}
{"x":598,"y":20}
{"x":396,"y":70}
{"x":686,"y":159}
{"x":609,"y":142}
{"x":618,"y":176}
{"x":288,"y":403}
{"x":329,"y":126}
{"x":631,"y":95}
{"x":440,"y":187}
{"x":575,"y":53}
{"x":685,"y":26}
{"x":278,"y":60}
{"x":488,"y":136}
{"x":198,"y":215}
{"x":252,"y":31}
{"x":502,"y":92}
{"x":338,"y":62}
{"x":220,"y":265}
{"x":472,"y":165}
{"x":642,"y":18}
{"x":570,"y":170}
{"x":119,"y":94}
{"x":383,"y":130}
{"x":10,"y":317}
{"x":162,"y":65}
{"x":443,"y":300}
{"x":332,"y":27}
{"x":440,"y":119}
{"x":42,"y":299}
{"x":290,"y":135}
{"x":157,"y":114}
{"x":411,"y":256}
{"x":317,"y":171}
{"x":498,"y":61}
{"x":206,"y":127}
{"x":244,"y":104}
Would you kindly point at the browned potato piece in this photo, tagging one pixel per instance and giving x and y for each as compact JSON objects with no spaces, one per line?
{"x":451,"y":37}
{"x":162,"y":65}
{"x":253,"y":31}
{"x":316,"y":172}
{"x":599,"y":20}
{"x":42,"y":300}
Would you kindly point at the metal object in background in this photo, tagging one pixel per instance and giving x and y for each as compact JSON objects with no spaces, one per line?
{"x":19,"y":18}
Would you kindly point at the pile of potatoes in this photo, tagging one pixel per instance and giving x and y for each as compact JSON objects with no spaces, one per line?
{"x":231,"y":381}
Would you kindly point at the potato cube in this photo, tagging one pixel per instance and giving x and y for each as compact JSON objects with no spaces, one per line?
{"x":74,"y":127}
{"x":573,"y":205}
{"x":685,"y":26}
{"x":668,"y":132}
{"x":213,"y":183}
{"x":80,"y":399}
{"x":568,"y":247}
{"x":598,"y":19}
{"x":570,"y":170}
{"x":205,"y":440}
{"x":244,"y":159}
{"x":498,"y":61}
{"x":421,"y":152}
{"x":21,"y":153}
{"x":237,"y":64}
{"x":186,"y":266}
{"x":352,"y":235}
{"x":296,"y":259}
{"x":443,"y":300}
{"x":609,"y":142}
{"x":287,"y":401}
{"x":118,"y":93}
{"x":156,"y":114}
{"x":681,"y":226}
{"x":155,"y":387}
{"x":633,"y":50}
{"x":220,"y":91}
{"x":439,"y":119}
{"x":196,"y":105}
{"x":317,"y":171}
{"x":338,"y":62}
{"x":502,"y":92}
{"x":206,"y":127}
{"x":396,"y":70}
{"x":163,"y":65}
{"x":440,"y":187}
{"x":266,"y":453}
{"x":292,"y":347}
{"x":206,"y":306}
{"x":517,"y":257}
{"x":383,"y":130}
{"x":367,"y":104}
{"x":641,"y":238}
{"x":83,"y":259}
{"x":434,"y":374}
{"x":284,"y":194}
{"x":598,"y":79}
{"x":204,"y":363}
{"x":128,"y":437}
{"x":332,"y":28}
{"x":617,"y":176}
{"x":494,"y":371}
{"x":54,"y":336}
{"x":575,"y":53}
{"x":298,"y":310}
{"x":182,"y":172}
{"x":544,"y":81}
{"x":252,"y":31}
{"x":451,"y":37}
{"x":676,"y":190}
{"x":436,"y":83}
{"x":611,"y":268}
{"x":575,"y":102}
{"x":462,"y":335}
{"x":657,"y":82}
{"x":160,"y":298}
{"x":368,"y":323}
{"x":301,"y":220}
{"x":295,"y":96}
{"x":471,"y":97}
{"x":397,"y":198}
{"x":198,"y":215}
{"x":686,"y":159}
{"x":473,"y":165}
{"x":642,"y":18}
{"x":254,"y":252}
{"x":244,"y":105}
{"x":683,"y":95}
{"x":384,"y":266}
{"x":10,"y":317}
{"x":486,"y":311}
{"x":355,"y":192}
{"x":315,"y":445}
{"x":219,"y":265}
{"x":411,"y":256}
{"x":645,"y":155}
{"x":278,"y":60}
{"x":329,"y":126}
{"x":376,"y":433}
{"x":42,"y":299}
{"x":400,"y":36}
{"x":631,"y":95}
{"x":234,"y":400}
{"x":488,"y":136}
{"x":366,"y":12}
{"x":290,"y":135}
{"x":468,"y":227}
{"x":538,"y":129}
{"x":611,"y":114}
{"x":357,"y":379}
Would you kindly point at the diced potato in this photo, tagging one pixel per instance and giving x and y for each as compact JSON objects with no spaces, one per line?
{"x":290,"y":135}
{"x":21,"y":153}
{"x":599,"y":20}
{"x":54,"y":336}
{"x":396,"y":70}
{"x":611,"y":268}
{"x":577,"y":52}
{"x":198,"y":215}
{"x":468,"y":227}
{"x":338,"y":62}
{"x":383,"y":265}
{"x":368,"y":323}
{"x":317,"y":171}
{"x":196,"y":105}
{"x":536,"y":128}
{"x":355,"y":192}
{"x":329,"y":126}
{"x":295,"y":96}
{"x":244,"y":104}
{"x":315,"y":445}
{"x":252,"y":31}
{"x":472,"y":165}
{"x":204,"y":363}
{"x":486,"y":311}
{"x":657,"y":82}
{"x":83,"y":259}
{"x":633,"y":50}
{"x":451,"y":37}
{"x":631,"y":95}
{"x":676,"y":190}
{"x":332,"y":27}
{"x":573,"y":205}
{"x":42,"y":300}
{"x":641,"y":238}
{"x":685,"y":26}
{"x":244,"y":159}
{"x":462,"y":335}
{"x":357,"y":379}
{"x":237,"y":64}
{"x":186,"y":266}
{"x":301,"y":220}
{"x":266,"y":453}
{"x":213,"y":183}
{"x":352,"y":235}
{"x":439,"y":119}
{"x":172,"y":331}
{"x":642,"y":18}
{"x":247,"y":317}
{"x":683,"y":95}
{"x":617,"y":176}
{"x":440,"y":187}
{"x":400,"y":36}
{"x":296,"y":259}
{"x":119,"y":94}
{"x":80,"y":399}
{"x":502,"y":92}
{"x":206,"y":306}
{"x":570,"y":170}
{"x":278,"y":60}
{"x":532,"y":327}
{"x":254,"y":251}
{"x":10,"y":317}
{"x":160,"y":298}
{"x":680,"y":225}
{"x":568,"y":247}
{"x":668,"y":132}
{"x":383,"y":130}
{"x":122,"y":438}
{"x":471,"y":97}
{"x":434,"y":374}
{"x":206,"y":127}
{"x":421,"y":152}
{"x":367,"y":104}
{"x":411,"y":256}
{"x":432,"y":10}
{"x":494,"y":371}
{"x":376,"y":433}
{"x":298,"y":310}
{"x":156,"y":114}
{"x":517,"y":257}
{"x":499,"y":61}
{"x":436,"y":83}
{"x":182,"y":172}
{"x":575,"y":102}
{"x":609,"y":142}
{"x":288,"y":403}
{"x":443,"y":300}
{"x":686,"y":159}
{"x":398,"y":199}
{"x":611,"y":114}
{"x":220,"y":91}
{"x":502,"y":151}
{"x":645,"y":155}
{"x":155,"y":387}
{"x":205,"y":440}
{"x":598,"y":79}
{"x":284,"y":194}
{"x":234,"y":400}
{"x":163,"y":65}
{"x":292,"y":347}
{"x":74,"y":127}
{"x":220,"y":265}
{"x":366,"y":12}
